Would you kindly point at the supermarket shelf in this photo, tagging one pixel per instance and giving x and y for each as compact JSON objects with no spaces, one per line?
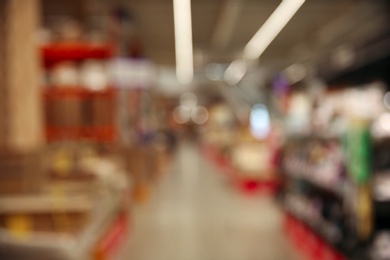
{"x":332,"y":191}
{"x":45,"y":203}
{"x":308,"y":242}
{"x":314,"y":136}
{"x":76,"y":51}
{"x":304,"y":174}
{"x":108,"y":223}
{"x":69,"y":184}
{"x":107,"y":247}
{"x":321,"y":227}
{"x":54,"y":92}
{"x":98,"y":133}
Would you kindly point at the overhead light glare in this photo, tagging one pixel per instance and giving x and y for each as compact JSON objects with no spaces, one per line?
{"x":235,"y":72}
{"x":183,"y":41}
{"x":271,"y":28}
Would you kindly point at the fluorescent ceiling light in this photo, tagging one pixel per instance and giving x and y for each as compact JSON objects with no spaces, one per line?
{"x":235,"y":72}
{"x":183,"y":41}
{"x":271,"y":28}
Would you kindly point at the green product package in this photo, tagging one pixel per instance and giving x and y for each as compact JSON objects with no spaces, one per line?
{"x":358,"y":150}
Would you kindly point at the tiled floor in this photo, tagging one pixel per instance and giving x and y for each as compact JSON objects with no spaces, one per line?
{"x":195,"y":214}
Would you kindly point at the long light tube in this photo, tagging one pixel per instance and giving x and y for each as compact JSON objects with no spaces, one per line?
{"x":235,"y":72}
{"x":271,"y":28}
{"x":183,"y":41}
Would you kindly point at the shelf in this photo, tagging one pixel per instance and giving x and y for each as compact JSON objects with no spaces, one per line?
{"x":104,"y":232}
{"x":312,"y":137}
{"x":308,"y":242}
{"x":90,"y":107}
{"x":326,"y":189}
{"x":77,"y":51}
{"x":304,"y":174}
{"x":109,"y":243}
{"x":53,"y":92}
{"x":318,"y":227}
{"x":45,"y":203}
{"x":99,"y":133}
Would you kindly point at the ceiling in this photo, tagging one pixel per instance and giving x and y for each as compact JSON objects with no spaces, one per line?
{"x":222,"y":28}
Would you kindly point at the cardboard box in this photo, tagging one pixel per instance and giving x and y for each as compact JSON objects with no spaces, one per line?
{"x":102,"y":111}
{"x":64,"y":112}
{"x":21,"y":172}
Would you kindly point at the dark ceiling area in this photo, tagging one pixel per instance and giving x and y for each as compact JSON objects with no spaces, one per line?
{"x":222,"y":28}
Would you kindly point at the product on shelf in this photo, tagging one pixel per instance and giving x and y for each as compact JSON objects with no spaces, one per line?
{"x":68,"y":30}
{"x":381,"y":246}
{"x":93,"y":75}
{"x":21,"y":172}
{"x":78,"y":100}
{"x":86,"y":192}
{"x":335,"y":171}
{"x":251,"y":159}
{"x":317,"y":161}
{"x":324,"y":217}
{"x":298,"y":114}
{"x":64,"y":74}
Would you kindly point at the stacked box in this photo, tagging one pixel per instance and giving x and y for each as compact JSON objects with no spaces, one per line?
{"x":64,"y":112}
{"x":102,"y":111}
{"x":21,"y":172}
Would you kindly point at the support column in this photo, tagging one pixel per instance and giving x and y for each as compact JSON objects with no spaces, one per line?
{"x":21,"y":118}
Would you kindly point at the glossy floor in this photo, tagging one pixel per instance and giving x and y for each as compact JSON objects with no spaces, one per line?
{"x":195,"y":214}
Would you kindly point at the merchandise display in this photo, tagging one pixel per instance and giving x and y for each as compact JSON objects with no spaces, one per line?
{"x":84,"y":195}
{"x":330,"y":177}
{"x":194,"y":130}
{"x":72,"y":200}
{"x":79,"y":102}
{"x":237,"y":150}
{"x":317,"y":161}
{"x":30,"y":168}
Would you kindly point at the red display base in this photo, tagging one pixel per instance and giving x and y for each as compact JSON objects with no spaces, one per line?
{"x":245,"y":185}
{"x":109,"y":244}
{"x":308,"y":243}
{"x":254,"y":185}
{"x":76,"y":51}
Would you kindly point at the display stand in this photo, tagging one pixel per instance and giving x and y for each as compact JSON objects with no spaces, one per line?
{"x":85,"y":114}
{"x":243,"y":184}
{"x":99,"y":238}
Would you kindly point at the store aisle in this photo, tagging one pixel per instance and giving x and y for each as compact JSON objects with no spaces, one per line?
{"x":195,"y":214}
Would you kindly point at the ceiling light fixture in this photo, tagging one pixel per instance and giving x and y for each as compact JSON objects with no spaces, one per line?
{"x":271,"y":28}
{"x":235,"y":72}
{"x":183,"y":41}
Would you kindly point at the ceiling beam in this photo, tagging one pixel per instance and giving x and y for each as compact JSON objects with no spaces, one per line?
{"x":226,"y":22}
